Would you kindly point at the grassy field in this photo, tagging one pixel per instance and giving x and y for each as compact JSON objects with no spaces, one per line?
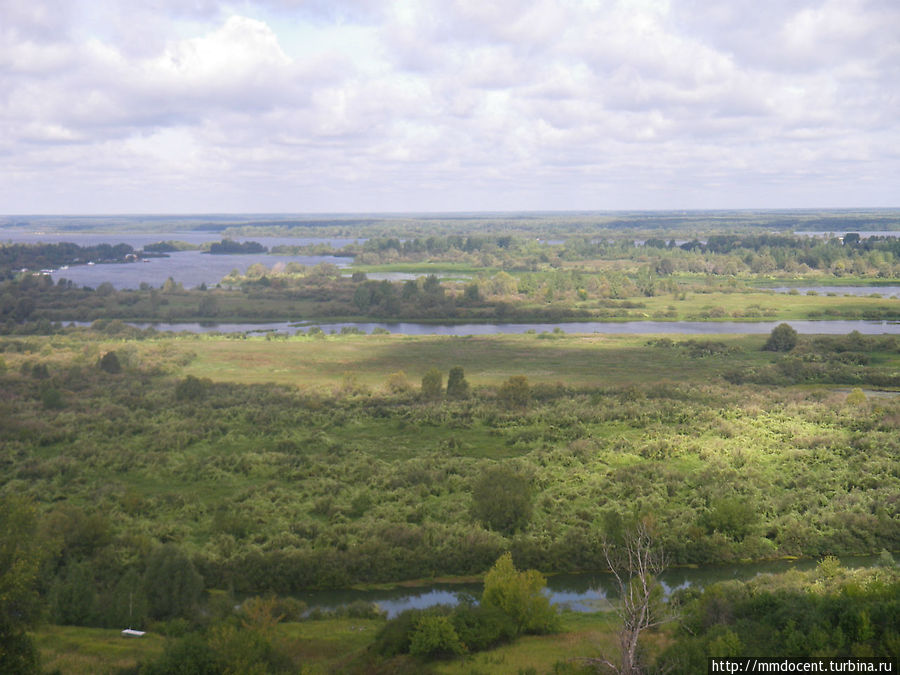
{"x":576,"y":360}
{"x":74,"y":650}
{"x":328,"y":646}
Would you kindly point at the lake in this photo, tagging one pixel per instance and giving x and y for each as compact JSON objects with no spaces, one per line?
{"x":191,"y":268}
{"x":624,"y":327}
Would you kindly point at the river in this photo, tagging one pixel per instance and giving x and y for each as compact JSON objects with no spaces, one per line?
{"x":587,"y":592}
{"x":463,"y":329}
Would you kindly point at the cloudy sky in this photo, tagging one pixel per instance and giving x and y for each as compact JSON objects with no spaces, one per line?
{"x":166,"y":106}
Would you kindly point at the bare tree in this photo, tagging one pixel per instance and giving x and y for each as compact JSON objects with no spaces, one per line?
{"x":636,"y":563}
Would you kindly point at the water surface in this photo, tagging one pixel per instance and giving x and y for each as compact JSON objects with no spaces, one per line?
{"x":625,"y":327}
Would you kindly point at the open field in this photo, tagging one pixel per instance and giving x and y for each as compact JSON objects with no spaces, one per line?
{"x":575,"y":360}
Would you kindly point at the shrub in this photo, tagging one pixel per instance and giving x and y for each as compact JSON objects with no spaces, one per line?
{"x":783,"y":338}
{"x":518,"y":595}
{"x":435,"y":637}
{"x":432,"y":385}
{"x":481,"y":627}
{"x":515,"y":391}
{"x":502,"y":499}
{"x":192,"y":388}
{"x":457,"y":387}
{"x":109,"y":363}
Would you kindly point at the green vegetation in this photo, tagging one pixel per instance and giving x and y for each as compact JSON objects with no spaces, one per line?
{"x":190,"y":485}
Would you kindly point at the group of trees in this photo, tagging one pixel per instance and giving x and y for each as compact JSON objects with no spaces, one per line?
{"x":511,"y":604}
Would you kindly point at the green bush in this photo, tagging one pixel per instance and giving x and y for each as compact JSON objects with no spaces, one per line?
{"x":435,"y":637}
{"x":519,"y":596}
{"x":457,"y":386}
{"x":432,"y":385}
{"x":502,"y":499}
{"x":783,"y":338}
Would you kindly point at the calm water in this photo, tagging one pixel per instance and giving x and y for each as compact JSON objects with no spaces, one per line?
{"x":140,"y":239}
{"x":589,"y":592}
{"x":625,"y":327}
{"x":862,"y":291}
{"x":191,"y":268}
{"x":841,"y":233}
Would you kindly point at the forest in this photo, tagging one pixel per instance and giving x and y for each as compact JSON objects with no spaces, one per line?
{"x":195,"y":486}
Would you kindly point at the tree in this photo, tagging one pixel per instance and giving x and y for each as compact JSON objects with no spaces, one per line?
{"x":457,"y":387}
{"x":636,"y":562}
{"x":109,"y":363}
{"x":502,"y":499}
{"x":171,"y":583}
{"x":515,"y":391}
{"x":518,"y":595}
{"x":193,"y":388}
{"x":432,"y":384}
{"x":20,"y":560}
{"x":783,"y":338}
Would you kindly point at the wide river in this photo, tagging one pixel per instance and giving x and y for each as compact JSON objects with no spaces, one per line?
{"x":624,"y":327}
{"x":587,"y":592}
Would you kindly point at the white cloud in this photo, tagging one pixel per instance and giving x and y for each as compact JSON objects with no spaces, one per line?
{"x":361,"y":104}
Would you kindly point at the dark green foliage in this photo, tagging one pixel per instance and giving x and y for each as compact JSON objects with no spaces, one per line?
{"x":18,"y":654}
{"x":515,"y":391}
{"x":51,"y":397}
{"x":73,"y":597}
{"x":191,"y":655}
{"x":502,"y":499}
{"x":829,"y":611}
{"x":192,"y":388}
{"x":432,"y":385}
{"x":783,"y":338}
{"x":395,"y":636}
{"x":457,"y":386}
{"x":230,"y":247}
{"x":171,"y":583}
{"x":109,"y":363}
{"x":733,"y":516}
{"x":481,"y":627}
{"x":21,"y":556}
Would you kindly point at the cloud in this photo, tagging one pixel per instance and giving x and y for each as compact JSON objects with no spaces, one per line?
{"x":358,"y":104}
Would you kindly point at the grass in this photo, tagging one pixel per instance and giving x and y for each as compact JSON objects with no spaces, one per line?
{"x":73,"y":650}
{"x":328,"y":646}
{"x":577,"y":360}
{"x":582,"y":636}
{"x":325,"y":646}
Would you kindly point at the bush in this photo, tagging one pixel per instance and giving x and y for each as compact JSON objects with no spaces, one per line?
{"x":109,"y":363}
{"x":519,"y":596}
{"x":515,"y":391}
{"x":435,"y":637}
{"x":192,"y":388}
{"x":502,"y":499}
{"x":457,"y":387}
{"x":783,"y":338}
{"x":481,"y":627}
{"x":432,"y":385}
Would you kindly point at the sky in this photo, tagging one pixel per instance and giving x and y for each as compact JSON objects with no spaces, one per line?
{"x":342,"y":106}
